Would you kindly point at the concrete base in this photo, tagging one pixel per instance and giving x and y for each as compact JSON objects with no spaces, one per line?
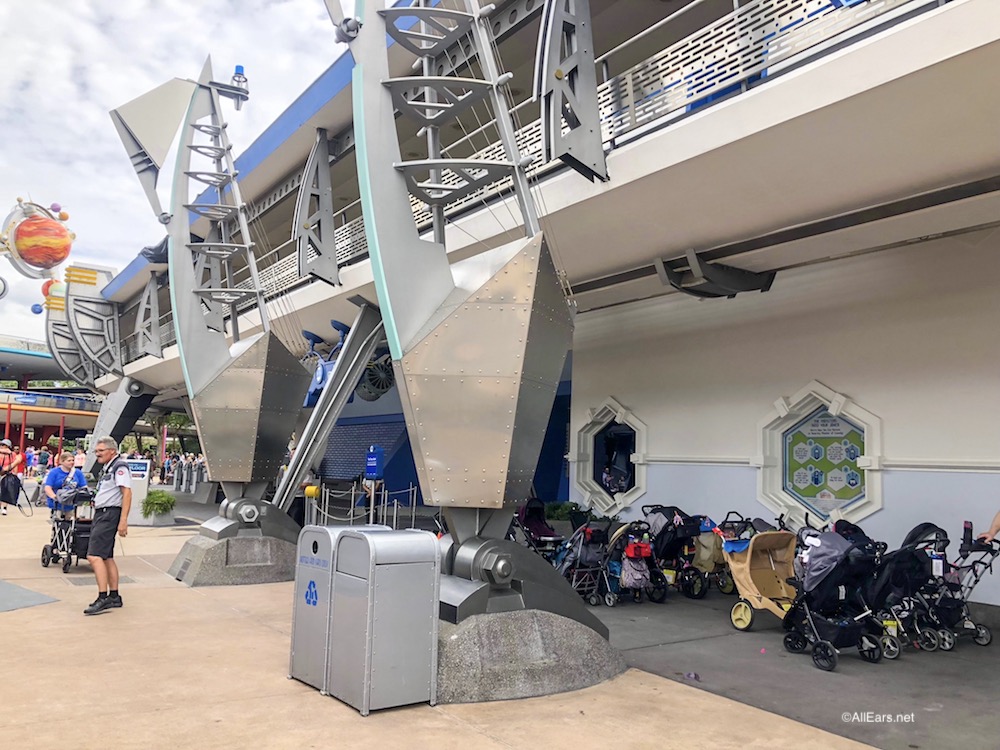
{"x":135,"y":518}
{"x":520,"y":655}
{"x":235,"y":561}
{"x":205,"y":493}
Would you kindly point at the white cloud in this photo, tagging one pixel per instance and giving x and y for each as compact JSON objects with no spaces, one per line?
{"x":67,"y":64}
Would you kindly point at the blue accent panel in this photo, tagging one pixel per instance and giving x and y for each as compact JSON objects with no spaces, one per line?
{"x":347,"y":447}
{"x":374,"y":419}
{"x":43,"y":355}
{"x":551,"y":477}
{"x":127,"y":274}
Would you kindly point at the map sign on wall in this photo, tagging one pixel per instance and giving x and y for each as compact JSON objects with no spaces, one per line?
{"x":821,"y":462}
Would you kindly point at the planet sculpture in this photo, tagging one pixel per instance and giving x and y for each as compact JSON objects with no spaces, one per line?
{"x":35,"y":239}
{"x":42,"y":242}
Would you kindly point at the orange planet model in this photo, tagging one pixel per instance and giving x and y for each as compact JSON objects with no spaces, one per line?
{"x":42,"y":242}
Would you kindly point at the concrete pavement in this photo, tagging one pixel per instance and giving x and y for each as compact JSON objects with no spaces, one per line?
{"x":206,"y":668}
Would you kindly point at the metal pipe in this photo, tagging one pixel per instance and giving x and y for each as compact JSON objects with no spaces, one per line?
{"x":24,"y":426}
{"x":628,"y":42}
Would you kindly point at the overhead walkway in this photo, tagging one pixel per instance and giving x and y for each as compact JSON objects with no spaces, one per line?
{"x":717,"y":142}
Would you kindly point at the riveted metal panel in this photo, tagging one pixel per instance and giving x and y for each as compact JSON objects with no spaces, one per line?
{"x":246,"y":414}
{"x":476,"y":339}
{"x":227,"y":438}
{"x":461,"y":431}
{"x":515,"y":281}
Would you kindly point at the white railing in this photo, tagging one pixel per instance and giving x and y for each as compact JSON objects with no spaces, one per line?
{"x":750,"y":44}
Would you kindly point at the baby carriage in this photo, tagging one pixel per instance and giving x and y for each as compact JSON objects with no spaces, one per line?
{"x":761,"y":567}
{"x":948,"y":596}
{"x":822,"y":613}
{"x":674,"y":534}
{"x":582,"y":561}
{"x":895,"y":592}
{"x":72,"y":513}
{"x":537,"y":532}
{"x":631,"y":566}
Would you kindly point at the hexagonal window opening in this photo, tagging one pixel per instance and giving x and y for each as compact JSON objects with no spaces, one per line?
{"x":819,"y":466}
{"x":614,"y":445}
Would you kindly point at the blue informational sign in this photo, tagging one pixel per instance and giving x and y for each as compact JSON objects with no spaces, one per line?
{"x":26,"y":399}
{"x":375,"y":463}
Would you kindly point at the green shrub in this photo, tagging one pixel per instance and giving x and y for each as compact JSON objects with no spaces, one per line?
{"x":157,"y":502}
{"x":560,"y":511}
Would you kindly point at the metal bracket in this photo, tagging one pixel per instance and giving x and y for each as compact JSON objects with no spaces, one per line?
{"x":709,"y":280}
{"x":566,"y":83}
{"x":312,"y":225}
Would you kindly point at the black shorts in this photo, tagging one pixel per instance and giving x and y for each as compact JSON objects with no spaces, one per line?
{"x":103,"y":531}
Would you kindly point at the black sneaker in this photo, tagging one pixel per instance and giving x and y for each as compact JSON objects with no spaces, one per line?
{"x":101,"y":604}
{"x":116,"y":600}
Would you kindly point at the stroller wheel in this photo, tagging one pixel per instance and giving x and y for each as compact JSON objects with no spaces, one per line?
{"x":946,"y":639}
{"x":46,"y":555}
{"x":928,"y":640}
{"x":67,"y":563}
{"x":983,"y":635}
{"x":742,"y":615}
{"x":870,"y":649}
{"x":656,"y":591}
{"x":593,"y":600}
{"x":795,"y":642}
{"x":611,"y":598}
{"x":724,"y":580}
{"x":825,"y":656}
{"x":694,"y":584}
{"x":891,"y":647}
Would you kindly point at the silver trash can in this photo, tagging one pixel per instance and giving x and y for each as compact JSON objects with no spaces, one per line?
{"x":308,"y":660}
{"x":384,"y":625}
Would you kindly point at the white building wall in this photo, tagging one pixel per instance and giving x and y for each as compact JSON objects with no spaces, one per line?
{"x":909,"y":334}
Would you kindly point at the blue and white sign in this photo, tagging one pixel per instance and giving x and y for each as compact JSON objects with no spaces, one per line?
{"x":375,"y":462}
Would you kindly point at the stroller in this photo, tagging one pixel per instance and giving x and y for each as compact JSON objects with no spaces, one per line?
{"x":537,"y":532}
{"x":761,"y":567}
{"x":822,"y":613}
{"x":72,"y":513}
{"x":631,"y":566}
{"x":897,"y":591}
{"x":581,"y":560}
{"x":948,"y":596}
{"x":674,"y":534}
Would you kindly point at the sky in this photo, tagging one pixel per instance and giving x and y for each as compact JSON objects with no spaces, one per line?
{"x":64,"y":64}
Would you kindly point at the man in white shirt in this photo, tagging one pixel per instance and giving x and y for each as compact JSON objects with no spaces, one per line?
{"x":111,"y":506}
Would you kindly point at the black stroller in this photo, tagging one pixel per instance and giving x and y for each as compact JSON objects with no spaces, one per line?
{"x":894,"y":593}
{"x":947,"y":597}
{"x":72,"y":513}
{"x":821,"y":614}
{"x":673,"y":538}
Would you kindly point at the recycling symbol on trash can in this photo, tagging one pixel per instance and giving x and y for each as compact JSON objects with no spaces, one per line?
{"x":312,"y":594}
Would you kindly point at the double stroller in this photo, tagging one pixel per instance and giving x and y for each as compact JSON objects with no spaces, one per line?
{"x":815,"y":606}
{"x":950,"y":603}
{"x":923,"y":598}
{"x":72,"y":514}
